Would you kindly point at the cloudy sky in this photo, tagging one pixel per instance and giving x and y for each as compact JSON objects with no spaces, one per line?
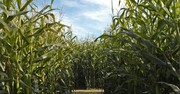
{"x":88,"y":18}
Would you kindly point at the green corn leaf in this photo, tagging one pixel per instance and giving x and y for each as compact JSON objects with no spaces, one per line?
{"x":62,"y":25}
{"x":153,"y":58}
{"x":26,"y":85}
{"x":11,"y":17}
{"x":161,"y":25}
{"x":169,"y":23}
{"x":134,"y":2}
{"x":38,"y":32}
{"x":2,"y":6}
{"x":42,"y":48}
{"x":104,"y":36}
{"x":171,"y":67}
{"x":129,"y":4}
{"x":13,"y":5}
{"x":52,"y":1}
{"x":41,"y":30}
{"x":3,"y":25}
{"x":176,"y":50}
{"x":3,"y":74}
{"x":164,"y":7}
{"x":6,"y":44}
{"x":174,"y":87}
{"x":46,"y":7}
{"x":53,"y":17}
{"x":149,"y":7}
{"x":138,"y":38}
{"x":23,"y":37}
{"x":25,"y":5}
{"x":19,"y":3}
{"x":8,"y":4}
{"x":44,"y":57}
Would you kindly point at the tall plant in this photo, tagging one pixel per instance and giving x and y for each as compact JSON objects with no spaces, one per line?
{"x":31,"y":45}
{"x":146,"y":34}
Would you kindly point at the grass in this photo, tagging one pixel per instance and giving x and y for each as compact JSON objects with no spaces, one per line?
{"x":139,"y":54}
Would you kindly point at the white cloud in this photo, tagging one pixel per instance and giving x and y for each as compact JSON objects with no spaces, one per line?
{"x":96,"y":18}
{"x":87,"y":17}
{"x":100,"y":15}
{"x":79,"y":31}
{"x":76,"y":27}
{"x":105,"y":3}
{"x":70,"y":3}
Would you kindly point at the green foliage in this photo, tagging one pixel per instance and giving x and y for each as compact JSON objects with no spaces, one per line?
{"x":32,"y":48}
{"x":138,"y":55}
{"x":147,"y":35}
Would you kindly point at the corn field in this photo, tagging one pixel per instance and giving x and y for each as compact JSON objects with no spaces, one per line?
{"x":138,"y":54}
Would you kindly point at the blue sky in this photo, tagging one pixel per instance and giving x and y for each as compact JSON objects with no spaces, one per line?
{"x":87,"y":18}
